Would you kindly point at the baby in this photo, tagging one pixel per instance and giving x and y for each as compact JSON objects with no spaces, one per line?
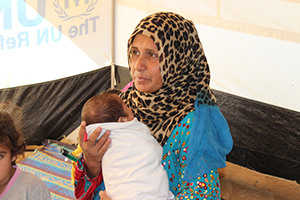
{"x":132,"y":164}
{"x":16,"y":184}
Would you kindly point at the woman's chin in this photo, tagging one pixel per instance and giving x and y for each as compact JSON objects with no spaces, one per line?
{"x":147,"y":87}
{"x":142,"y":88}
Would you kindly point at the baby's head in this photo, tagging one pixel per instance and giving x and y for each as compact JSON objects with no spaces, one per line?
{"x":10,"y":135}
{"x":106,"y":107}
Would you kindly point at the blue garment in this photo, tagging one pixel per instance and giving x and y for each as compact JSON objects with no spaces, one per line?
{"x":175,"y":151}
{"x":210,"y":141}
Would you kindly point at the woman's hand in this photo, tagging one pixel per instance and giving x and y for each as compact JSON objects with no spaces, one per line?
{"x":93,"y":150}
{"x":103,"y":195}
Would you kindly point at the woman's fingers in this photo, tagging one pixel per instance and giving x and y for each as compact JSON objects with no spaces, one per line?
{"x":81,"y":132}
{"x":87,"y":142}
{"x":103,"y":195}
{"x":93,"y":149}
{"x":94,"y":136}
{"x":103,"y":143}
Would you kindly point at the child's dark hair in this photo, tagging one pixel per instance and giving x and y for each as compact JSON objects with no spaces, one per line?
{"x":10,"y":125}
{"x":105,"y":107}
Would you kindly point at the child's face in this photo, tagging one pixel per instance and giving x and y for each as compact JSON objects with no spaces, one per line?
{"x":6,"y":169}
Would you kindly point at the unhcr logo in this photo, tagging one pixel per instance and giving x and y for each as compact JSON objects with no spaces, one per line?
{"x":22,"y":23}
{"x":72,"y":9}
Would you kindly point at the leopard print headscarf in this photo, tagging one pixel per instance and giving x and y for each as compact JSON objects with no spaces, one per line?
{"x":184,"y":70}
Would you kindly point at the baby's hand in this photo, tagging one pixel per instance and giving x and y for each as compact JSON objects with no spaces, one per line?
{"x":103,"y":195}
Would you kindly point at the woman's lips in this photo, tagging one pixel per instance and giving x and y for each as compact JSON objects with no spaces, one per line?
{"x":141,"y":79}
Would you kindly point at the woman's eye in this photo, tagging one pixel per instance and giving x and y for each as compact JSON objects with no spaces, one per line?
{"x":134,"y":52}
{"x":153,"y":55}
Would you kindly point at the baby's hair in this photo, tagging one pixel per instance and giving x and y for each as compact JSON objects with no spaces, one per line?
{"x":10,"y":129}
{"x":105,"y":107}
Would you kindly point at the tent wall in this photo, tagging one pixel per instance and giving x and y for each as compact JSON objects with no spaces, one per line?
{"x":52,"y":109}
{"x":266,"y":138}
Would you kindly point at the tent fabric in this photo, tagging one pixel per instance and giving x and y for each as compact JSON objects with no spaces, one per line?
{"x":266,"y":138}
{"x":52,"y":109}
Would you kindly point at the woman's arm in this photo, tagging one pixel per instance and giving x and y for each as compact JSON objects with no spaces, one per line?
{"x":176,"y":150}
{"x":206,"y":186}
{"x":88,"y":176}
{"x":86,"y":188}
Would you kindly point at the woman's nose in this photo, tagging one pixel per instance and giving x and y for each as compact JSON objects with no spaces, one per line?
{"x":141,"y":63}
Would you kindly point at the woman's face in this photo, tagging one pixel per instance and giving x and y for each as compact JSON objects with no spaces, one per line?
{"x":144,"y":64}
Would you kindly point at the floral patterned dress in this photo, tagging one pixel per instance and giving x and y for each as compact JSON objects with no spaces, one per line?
{"x":175,"y":149}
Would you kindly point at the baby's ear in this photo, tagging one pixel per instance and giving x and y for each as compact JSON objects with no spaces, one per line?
{"x":122,"y":119}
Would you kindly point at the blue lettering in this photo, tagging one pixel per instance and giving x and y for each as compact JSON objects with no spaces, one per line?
{"x":24,"y":39}
{"x":59,"y":34}
{"x":76,"y":3}
{"x":12,"y":42}
{"x":41,"y":9}
{"x":73,"y":31}
{"x":44,"y":35}
{"x":2,"y":42}
{"x":84,"y":26}
{"x":93,"y":19}
{"x":5,"y":6}
{"x":66,"y":4}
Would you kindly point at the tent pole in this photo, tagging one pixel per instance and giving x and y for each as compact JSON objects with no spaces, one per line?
{"x":112,"y":85}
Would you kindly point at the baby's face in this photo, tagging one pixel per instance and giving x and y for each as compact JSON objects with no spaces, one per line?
{"x":128,"y":112}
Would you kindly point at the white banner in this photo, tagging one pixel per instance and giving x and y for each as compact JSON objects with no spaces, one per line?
{"x":42,"y":40}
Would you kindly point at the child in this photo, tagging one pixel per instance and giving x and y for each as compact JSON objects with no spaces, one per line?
{"x":132,"y":164}
{"x":16,"y":184}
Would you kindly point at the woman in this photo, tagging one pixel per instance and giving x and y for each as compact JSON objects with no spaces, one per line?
{"x":171,"y":95}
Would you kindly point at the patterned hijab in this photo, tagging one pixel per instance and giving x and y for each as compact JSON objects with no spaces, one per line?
{"x":184,"y":70}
